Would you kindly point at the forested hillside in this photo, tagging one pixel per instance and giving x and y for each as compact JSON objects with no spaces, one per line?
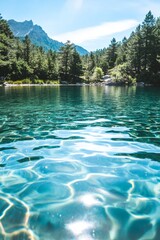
{"x":136,"y":59}
{"x":21,"y":60}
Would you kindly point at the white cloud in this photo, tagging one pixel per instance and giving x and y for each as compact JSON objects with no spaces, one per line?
{"x":78,"y":4}
{"x":75,"y":5}
{"x":96,"y":32}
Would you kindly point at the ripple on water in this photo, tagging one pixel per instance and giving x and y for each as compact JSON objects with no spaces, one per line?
{"x":107,"y":185}
{"x":80,"y":164}
{"x":46,"y":191}
{"x":13,"y":207}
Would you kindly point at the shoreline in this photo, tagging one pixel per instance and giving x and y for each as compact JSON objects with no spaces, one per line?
{"x":51,"y":84}
{"x":140,"y":84}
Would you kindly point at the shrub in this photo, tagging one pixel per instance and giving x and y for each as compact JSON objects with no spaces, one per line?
{"x":97,"y":74}
{"x":38,"y":81}
{"x":120,"y":74}
{"x":26,"y":81}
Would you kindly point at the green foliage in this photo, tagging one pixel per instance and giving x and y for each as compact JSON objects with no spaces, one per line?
{"x":64,"y":61}
{"x":18,"y":82}
{"x":22,"y":60}
{"x":97,"y":75}
{"x":120,"y":75}
{"x":121,"y":52}
{"x":52,"y":65}
{"x":134,"y":59}
{"x":26,"y":81}
{"x":4,"y":28}
{"x":89,"y":64}
{"x":70,"y":64}
{"x":39,"y":81}
{"x":52,"y":82}
{"x":7,"y":52}
{"x":111,"y":53}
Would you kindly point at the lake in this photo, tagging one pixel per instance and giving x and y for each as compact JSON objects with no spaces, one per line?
{"x":79,"y":163}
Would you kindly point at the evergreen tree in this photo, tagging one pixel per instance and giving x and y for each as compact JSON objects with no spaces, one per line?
{"x":4,"y":28}
{"x":69,"y":63}
{"x":134,"y":52}
{"x":149,"y":43}
{"x":27,"y":49}
{"x":111,"y":53}
{"x":121,"y":52}
{"x":75,"y":66}
{"x":52,"y":65}
{"x":19,"y":49}
{"x":137,"y":57}
{"x":89,"y":66}
{"x":7,"y":52}
{"x":157,"y":34}
{"x":91,"y":63}
{"x":40,"y":64}
{"x":64,"y":61}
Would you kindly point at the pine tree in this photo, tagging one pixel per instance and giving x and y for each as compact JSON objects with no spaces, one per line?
{"x":7,"y":53}
{"x":75,"y":66}
{"x":121,"y":52}
{"x":134,"y":52}
{"x":91,"y":63}
{"x":111,"y":54}
{"x":64,"y":61}
{"x":70,"y":65}
{"x":52,"y":65}
{"x":149,"y":42}
{"x":157,"y":34}
{"x":89,"y":66}
{"x":27,"y":49}
{"x":4,"y":28}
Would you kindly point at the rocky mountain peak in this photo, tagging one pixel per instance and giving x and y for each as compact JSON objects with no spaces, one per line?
{"x":38,"y":36}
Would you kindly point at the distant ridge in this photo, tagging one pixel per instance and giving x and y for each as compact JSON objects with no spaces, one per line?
{"x":38,"y":36}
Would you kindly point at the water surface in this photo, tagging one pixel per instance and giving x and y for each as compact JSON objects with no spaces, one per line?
{"x":79,"y":163}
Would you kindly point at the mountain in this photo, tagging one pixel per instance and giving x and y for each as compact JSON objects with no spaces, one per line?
{"x":38,"y":36}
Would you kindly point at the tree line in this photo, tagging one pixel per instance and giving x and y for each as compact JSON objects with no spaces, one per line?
{"x":136,"y":59}
{"x":21,"y":60}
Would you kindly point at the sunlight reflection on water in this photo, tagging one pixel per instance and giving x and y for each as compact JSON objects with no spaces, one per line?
{"x":81,"y":164}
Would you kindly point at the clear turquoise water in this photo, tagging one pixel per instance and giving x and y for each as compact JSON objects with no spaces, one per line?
{"x":79,"y":163}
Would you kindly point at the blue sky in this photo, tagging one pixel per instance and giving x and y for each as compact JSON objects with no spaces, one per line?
{"x":89,"y":23}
